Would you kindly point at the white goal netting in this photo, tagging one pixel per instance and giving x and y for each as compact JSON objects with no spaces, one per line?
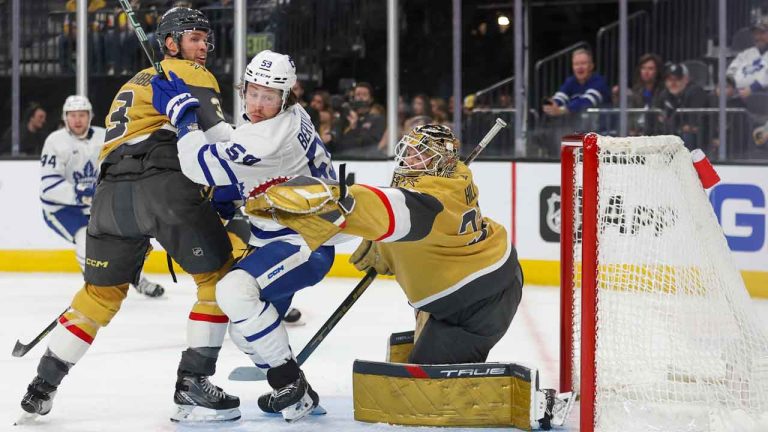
{"x":678,"y":345}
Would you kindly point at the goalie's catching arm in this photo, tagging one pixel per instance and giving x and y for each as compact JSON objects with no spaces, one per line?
{"x":457,"y":268}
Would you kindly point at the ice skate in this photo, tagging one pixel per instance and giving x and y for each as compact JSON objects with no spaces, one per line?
{"x":198,"y":400}
{"x":265,"y":401}
{"x":551,"y":409}
{"x":37,"y":401}
{"x":149,"y":288}
{"x":292,"y":396}
{"x":293,"y":318}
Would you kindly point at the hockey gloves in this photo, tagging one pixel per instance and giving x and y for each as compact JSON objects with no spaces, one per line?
{"x":226,"y":200}
{"x":367,"y":256}
{"x":172,"y":98}
{"x":311,"y":206}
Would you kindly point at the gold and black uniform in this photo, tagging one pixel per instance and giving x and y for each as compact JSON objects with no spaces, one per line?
{"x":452,"y":262}
{"x":143,"y":192}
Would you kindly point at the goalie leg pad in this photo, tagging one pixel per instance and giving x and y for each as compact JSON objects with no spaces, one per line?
{"x":473,"y":394}
{"x":399,"y":347}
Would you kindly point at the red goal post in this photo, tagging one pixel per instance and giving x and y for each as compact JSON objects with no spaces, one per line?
{"x":657,"y":329}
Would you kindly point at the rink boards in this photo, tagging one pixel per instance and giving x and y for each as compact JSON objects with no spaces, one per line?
{"x":523,"y":196}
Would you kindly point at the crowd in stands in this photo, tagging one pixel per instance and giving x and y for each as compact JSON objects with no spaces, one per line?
{"x":663,"y":97}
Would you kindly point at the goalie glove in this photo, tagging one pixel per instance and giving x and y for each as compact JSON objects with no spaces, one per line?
{"x":367,"y":256}
{"x":173,"y":98}
{"x":313,"y":207}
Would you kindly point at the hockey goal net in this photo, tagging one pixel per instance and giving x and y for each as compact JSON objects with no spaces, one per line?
{"x":658,"y":332}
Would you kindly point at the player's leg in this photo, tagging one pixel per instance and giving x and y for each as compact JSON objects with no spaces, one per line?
{"x":191,"y":232}
{"x":466,"y":336}
{"x":255,"y":295}
{"x":69,"y":223}
{"x":111,"y":263}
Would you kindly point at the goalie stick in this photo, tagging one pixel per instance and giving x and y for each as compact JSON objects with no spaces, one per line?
{"x":20,"y":349}
{"x":143,"y":40}
{"x":252,"y":373}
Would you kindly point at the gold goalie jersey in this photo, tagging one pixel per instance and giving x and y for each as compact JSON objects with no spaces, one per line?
{"x":132,"y":117}
{"x":460,"y":256}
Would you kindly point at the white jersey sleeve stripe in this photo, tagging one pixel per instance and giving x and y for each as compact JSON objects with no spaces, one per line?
{"x":53,"y":185}
{"x":225,"y":165}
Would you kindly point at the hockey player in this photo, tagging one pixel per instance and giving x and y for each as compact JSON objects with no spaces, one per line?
{"x":278,"y":139}
{"x":69,"y":173}
{"x":429,"y":220}
{"x":142,"y":193}
{"x":750,"y":68}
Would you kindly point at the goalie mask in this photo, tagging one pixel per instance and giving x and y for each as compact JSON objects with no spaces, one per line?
{"x":179,"y":20}
{"x":430,"y":149}
{"x":77,"y":103}
{"x":272,"y":70}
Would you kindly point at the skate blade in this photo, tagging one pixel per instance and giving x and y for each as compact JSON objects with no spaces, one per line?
{"x":317,"y":411}
{"x":26,"y":418}
{"x":299,"y":323}
{"x":299,"y":410}
{"x":198,"y":414}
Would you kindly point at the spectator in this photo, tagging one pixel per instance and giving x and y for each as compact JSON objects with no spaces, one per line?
{"x":584,"y":89}
{"x":738,"y":124}
{"x":680,"y":92}
{"x":439,"y":110}
{"x":321,"y":103}
{"x":402,"y":114}
{"x":121,"y":45}
{"x":67,"y":39}
{"x":32,"y":134}
{"x":421,"y":106}
{"x":647,"y":83}
{"x":364,"y":128}
{"x":750,"y":68}
{"x":321,"y":100}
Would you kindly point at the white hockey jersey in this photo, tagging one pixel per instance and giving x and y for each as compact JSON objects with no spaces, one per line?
{"x":65,"y":162}
{"x":286,"y":145}
{"x":750,"y":69}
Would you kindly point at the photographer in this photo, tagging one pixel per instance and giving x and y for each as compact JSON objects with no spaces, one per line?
{"x":364,"y":128}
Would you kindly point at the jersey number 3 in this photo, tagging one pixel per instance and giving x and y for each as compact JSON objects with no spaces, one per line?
{"x":118,"y":118}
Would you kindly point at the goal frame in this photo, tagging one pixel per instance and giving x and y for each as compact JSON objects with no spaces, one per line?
{"x":588,"y":330}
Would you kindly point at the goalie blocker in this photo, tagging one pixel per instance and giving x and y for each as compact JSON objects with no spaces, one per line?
{"x":470,"y":394}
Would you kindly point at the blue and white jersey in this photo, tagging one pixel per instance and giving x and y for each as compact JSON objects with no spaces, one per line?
{"x":750,"y":69}
{"x":67,"y":161}
{"x":577,"y":96}
{"x":286,"y":145}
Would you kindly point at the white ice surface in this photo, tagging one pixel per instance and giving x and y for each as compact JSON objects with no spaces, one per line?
{"x":125,"y":382}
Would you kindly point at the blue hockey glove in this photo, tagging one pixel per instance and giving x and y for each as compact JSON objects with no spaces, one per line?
{"x":225,"y":200}
{"x":172,"y":98}
{"x":84,"y":192}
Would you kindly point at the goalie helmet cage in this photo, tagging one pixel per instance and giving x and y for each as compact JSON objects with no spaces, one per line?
{"x":657,"y":329}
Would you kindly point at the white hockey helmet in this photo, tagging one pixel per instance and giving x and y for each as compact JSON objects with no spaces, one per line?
{"x":77,"y":103}
{"x":273,"y":70}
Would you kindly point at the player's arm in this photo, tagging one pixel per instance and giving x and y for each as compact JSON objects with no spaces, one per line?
{"x":315,"y":209}
{"x":207,"y":163}
{"x":54,"y":188}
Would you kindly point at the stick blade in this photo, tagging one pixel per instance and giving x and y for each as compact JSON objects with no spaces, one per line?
{"x":20,"y":349}
{"x":247,"y":373}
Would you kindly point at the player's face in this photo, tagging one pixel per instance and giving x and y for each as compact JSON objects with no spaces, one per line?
{"x":417,"y":160}
{"x":78,"y":121}
{"x":262,"y":103}
{"x":194,"y":46}
{"x":582,"y":66}
{"x":760,"y":38}
{"x":648,"y":71}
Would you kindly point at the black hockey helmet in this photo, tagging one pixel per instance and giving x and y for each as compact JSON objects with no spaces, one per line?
{"x":178,"y":20}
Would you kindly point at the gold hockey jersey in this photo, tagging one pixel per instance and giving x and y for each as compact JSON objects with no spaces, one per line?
{"x":132,"y":116}
{"x":443,"y":252}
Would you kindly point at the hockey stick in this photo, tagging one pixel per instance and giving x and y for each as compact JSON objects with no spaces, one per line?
{"x":250,"y":373}
{"x":20,"y":349}
{"x":143,"y":40}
